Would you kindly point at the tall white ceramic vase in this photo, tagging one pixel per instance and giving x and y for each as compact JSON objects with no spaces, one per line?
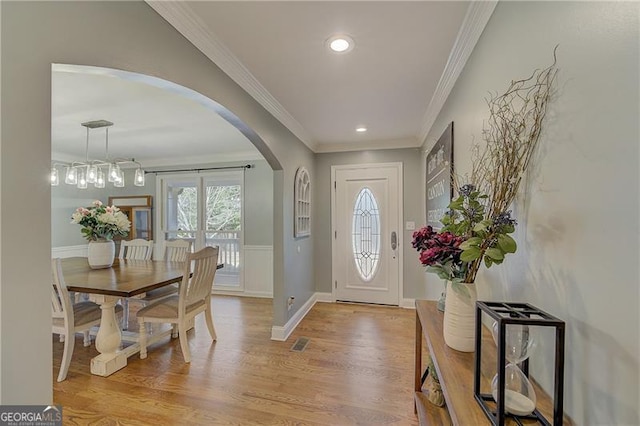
{"x":101,"y":253}
{"x":459,"y":317}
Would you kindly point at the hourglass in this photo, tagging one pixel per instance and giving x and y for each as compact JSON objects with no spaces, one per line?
{"x":519,"y":398}
{"x":511,"y":391}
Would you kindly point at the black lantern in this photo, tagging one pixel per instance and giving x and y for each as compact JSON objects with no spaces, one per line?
{"x":511,"y":389}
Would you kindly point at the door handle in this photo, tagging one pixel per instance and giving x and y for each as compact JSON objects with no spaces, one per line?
{"x":394,"y":240}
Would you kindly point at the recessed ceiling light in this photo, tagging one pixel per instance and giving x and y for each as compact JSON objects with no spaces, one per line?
{"x":361,"y":129}
{"x":340,"y":43}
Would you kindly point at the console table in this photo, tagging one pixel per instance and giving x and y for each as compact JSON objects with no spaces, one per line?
{"x":455,"y":372}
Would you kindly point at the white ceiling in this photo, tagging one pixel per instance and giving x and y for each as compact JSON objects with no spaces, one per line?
{"x":155,"y":122}
{"x":385,"y":83}
{"x":406,"y":59}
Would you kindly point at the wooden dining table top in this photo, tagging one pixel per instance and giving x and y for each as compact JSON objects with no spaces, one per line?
{"x":126,"y":278}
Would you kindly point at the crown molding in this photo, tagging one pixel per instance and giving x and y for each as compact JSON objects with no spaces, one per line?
{"x":474,"y":22}
{"x":323,"y":148}
{"x":186,"y":22}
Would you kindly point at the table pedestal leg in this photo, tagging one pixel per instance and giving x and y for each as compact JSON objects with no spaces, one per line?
{"x":108,"y":339}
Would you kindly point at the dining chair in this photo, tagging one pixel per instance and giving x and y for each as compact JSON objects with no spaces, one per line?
{"x":193,"y":298}
{"x":71,"y":318}
{"x":175,"y":251}
{"x":137,"y":249}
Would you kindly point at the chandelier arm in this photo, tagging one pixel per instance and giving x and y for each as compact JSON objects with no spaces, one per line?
{"x":125,"y":160}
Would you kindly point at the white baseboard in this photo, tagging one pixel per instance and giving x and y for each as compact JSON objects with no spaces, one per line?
{"x":260,"y":294}
{"x":245,"y":293}
{"x":69,"y":251}
{"x":282,"y":333}
{"x":324,"y":297}
{"x":408,"y":303}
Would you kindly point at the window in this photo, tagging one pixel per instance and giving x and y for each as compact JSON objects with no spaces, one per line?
{"x":365,"y":233}
{"x":207,"y":209}
{"x":302,"y":200}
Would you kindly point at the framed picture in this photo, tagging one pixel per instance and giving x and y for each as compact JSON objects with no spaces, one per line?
{"x":439,"y":178}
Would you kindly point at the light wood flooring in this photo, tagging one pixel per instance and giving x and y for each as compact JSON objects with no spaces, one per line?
{"x":357,"y":369}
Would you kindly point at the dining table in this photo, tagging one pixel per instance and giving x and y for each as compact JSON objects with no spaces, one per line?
{"x":126,"y":278}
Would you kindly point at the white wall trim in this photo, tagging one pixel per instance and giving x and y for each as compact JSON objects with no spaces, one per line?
{"x":475,"y":20}
{"x":189,"y":24}
{"x":69,"y":251}
{"x":282,"y":333}
{"x":258,"y":247}
{"x":240,"y":293}
{"x":324,"y":297}
{"x":408,"y":303}
{"x":259,"y":294}
{"x":411,"y":142}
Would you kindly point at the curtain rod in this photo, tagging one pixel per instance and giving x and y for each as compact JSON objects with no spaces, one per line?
{"x":246,"y":166}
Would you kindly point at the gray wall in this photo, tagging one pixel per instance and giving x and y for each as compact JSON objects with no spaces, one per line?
{"x":578,"y":231}
{"x":413,"y":211}
{"x":121,"y":35}
{"x":258,"y":204}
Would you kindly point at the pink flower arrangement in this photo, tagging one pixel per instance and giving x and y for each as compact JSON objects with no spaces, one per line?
{"x":101,"y":222}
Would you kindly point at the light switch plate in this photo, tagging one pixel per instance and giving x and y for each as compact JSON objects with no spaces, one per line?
{"x":410,"y":226}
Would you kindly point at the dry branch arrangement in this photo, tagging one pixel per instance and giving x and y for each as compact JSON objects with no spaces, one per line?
{"x":511,"y":134}
{"x":478,"y":224}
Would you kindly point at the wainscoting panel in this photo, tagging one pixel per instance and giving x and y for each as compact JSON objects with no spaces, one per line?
{"x":258,"y":271}
{"x":69,"y":251}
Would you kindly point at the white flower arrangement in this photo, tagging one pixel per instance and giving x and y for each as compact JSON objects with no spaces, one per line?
{"x":101,"y":222}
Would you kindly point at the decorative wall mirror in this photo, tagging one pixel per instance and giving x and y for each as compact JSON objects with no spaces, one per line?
{"x":302,"y":204}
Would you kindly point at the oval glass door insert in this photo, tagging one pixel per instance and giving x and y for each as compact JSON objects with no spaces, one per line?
{"x":365,"y":234}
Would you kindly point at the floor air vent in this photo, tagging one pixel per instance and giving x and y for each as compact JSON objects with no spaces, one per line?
{"x":300,"y":344}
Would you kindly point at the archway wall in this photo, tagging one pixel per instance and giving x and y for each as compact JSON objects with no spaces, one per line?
{"x":121,"y":35}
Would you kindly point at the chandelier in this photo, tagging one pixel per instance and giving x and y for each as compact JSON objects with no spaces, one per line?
{"x":83,"y":173}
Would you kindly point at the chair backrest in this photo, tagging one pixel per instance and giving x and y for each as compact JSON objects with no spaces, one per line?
{"x":176,"y":250}
{"x":198,"y":287}
{"x":60,"y":300}
{"x":137,"y":249}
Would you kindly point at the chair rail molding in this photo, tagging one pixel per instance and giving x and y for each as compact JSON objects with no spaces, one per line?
{"x":69,"y":251}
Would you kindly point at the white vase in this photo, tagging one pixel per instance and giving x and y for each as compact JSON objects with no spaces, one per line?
{"x":459,"y":317}
{"x":101,"y":253}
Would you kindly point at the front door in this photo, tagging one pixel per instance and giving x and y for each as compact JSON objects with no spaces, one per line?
{"x":366,"y":242}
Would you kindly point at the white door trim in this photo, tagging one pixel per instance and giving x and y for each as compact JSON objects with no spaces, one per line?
{"x":400,"y":189}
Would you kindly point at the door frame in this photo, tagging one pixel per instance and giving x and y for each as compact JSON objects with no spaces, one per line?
{"x":400,"y":189}
{"x":200,"y":178}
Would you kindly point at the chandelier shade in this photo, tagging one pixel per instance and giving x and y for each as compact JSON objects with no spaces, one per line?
{"x":99,"y":171}
{"x":71,"y":175}
{"x":55,"y":177}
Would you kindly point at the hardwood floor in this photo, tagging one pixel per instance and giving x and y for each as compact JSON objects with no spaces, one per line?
{"x":356,"y":369}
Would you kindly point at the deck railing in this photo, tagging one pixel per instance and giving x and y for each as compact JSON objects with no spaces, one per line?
{"x":229,"y":252}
